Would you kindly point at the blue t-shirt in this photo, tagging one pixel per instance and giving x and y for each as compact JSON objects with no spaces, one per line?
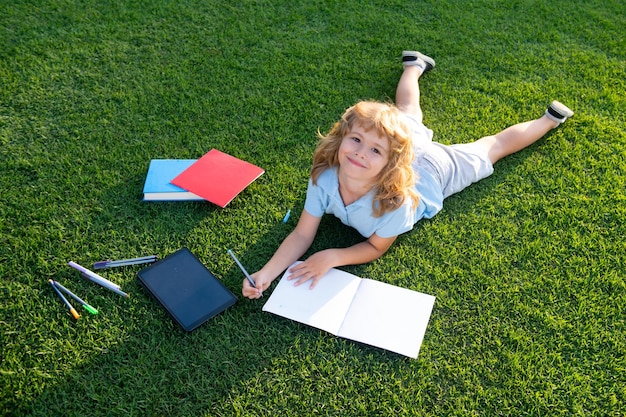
{"x":324,"y":197}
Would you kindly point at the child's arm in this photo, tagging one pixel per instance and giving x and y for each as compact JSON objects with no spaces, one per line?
{"x":316,"y":266}
{"x":292,"y":248}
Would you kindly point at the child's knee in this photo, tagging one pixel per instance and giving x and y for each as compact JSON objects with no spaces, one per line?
{"x":492,"y":147}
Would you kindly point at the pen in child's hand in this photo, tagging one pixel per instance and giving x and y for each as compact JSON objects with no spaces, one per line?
{"x":250,"y":280}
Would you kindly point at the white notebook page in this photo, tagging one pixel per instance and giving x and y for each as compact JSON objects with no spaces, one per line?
{"x":323,"y":307}
{"x":388,"y":317}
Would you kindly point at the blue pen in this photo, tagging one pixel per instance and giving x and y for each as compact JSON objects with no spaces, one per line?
{"x":125,"y":262}
{"x":75,"y":297}
{"x":67,"y":303}
{"x":250,"y":280}
{"x":286,"y":218}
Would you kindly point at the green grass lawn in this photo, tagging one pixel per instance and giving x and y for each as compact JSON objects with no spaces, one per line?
{"x":527,"y":266}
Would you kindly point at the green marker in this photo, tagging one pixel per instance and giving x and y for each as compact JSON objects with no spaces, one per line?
{"x":75,"y":297}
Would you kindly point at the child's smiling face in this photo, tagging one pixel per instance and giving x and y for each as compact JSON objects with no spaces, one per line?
{"x":363,"y":154}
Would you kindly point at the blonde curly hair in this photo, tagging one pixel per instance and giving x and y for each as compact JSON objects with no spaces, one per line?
{"x":397,"y":179}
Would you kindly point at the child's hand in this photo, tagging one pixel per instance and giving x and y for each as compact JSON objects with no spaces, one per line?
{"x":313,"y":268}
{"x":253,"y":293}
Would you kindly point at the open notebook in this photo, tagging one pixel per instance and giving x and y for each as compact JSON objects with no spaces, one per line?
{"x":363,"y":310}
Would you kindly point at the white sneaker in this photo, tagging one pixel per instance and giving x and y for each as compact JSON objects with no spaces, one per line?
{"x":558,"y":112}
{"x":418,"y":59}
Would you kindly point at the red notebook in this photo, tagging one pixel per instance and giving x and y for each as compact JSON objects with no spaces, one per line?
{"x":218,"y":177}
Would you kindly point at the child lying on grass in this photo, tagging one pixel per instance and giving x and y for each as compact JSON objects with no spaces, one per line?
{"x":379,"y":171}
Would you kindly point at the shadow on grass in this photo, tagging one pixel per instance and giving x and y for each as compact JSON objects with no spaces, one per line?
{"x":137,"y":361}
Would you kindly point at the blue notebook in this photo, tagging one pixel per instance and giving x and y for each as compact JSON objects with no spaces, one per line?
{"x":189,"y":292}
{"x":158,"y":187}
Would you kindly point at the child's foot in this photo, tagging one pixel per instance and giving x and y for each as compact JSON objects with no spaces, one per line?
{"x":558,"y":112}
{"x":425,"y":63}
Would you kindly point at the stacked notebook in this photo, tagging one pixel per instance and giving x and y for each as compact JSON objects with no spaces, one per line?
{"x":216,"y":177}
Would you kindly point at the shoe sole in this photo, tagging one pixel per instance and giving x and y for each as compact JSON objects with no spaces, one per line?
{"x":418,"y":55}
{"x":561,"y":109}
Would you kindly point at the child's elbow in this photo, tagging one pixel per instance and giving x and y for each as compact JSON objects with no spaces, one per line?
{"x":377,"y":252}
{"x":381,"y":252}
{"x":381,"y":245}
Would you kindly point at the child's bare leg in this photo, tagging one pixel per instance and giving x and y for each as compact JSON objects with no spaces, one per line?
{"x":521,"y":135}
{"x":516,"y":137}
{"x":408,"y":90}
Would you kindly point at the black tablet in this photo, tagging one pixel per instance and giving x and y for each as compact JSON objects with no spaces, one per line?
{"x":186,"y":288}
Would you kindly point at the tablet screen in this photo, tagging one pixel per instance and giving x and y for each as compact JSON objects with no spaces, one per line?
{"x":186,"y":288}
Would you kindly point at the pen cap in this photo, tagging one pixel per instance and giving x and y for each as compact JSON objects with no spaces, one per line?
{"x":74,"y":313}
{"x":90,"y":309}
